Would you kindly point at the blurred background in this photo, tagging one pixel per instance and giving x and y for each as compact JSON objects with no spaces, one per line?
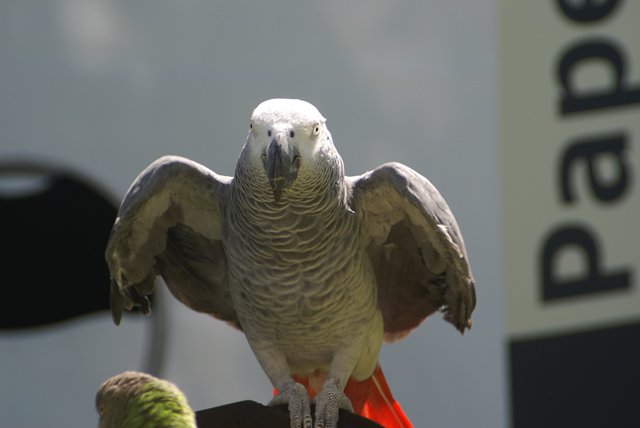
{"x":92,"y":91}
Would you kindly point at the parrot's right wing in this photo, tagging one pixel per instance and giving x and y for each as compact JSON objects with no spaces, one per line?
{"x":169,"y":224}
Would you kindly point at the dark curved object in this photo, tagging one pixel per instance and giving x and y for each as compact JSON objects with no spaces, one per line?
{"x":249,"y":414}
{"x":53,"y":238}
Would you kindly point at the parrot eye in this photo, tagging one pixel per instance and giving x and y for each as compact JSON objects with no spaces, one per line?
{"x":250,"y":125}
{"x":316,"y":130}
{"x":292,"y":134}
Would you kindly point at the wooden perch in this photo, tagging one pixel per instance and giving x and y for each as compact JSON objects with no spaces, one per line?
{"x":249,"y":414}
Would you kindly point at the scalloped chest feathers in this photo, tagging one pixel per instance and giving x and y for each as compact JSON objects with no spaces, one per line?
{"x":298,"y":272}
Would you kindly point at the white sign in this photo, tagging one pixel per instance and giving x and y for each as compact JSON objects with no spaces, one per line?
{"x":570,"y":124}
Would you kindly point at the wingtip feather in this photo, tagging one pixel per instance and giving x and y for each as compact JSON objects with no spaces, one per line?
{"x":115,"y":301}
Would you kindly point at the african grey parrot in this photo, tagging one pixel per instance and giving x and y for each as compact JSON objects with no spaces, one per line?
{"x":316,"y":268}
{"x":138,"y":400}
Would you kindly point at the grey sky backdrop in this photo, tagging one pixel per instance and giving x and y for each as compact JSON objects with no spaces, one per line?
{"x":104,"y":87}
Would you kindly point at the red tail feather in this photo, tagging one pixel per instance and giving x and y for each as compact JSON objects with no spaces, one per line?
{"x":372,"y":399}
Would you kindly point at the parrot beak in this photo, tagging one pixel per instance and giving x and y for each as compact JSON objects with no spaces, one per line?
{"x":281,"y":164}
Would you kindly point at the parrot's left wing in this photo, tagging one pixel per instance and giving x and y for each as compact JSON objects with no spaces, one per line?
{"x":169,"y":224}
{"x":415,"y":247}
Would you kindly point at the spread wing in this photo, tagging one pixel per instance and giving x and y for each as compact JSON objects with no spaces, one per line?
{"x":169,"y":224}
{"x":415,"y":247}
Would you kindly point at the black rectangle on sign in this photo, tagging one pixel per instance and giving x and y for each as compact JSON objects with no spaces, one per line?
{"x":587,"y":379}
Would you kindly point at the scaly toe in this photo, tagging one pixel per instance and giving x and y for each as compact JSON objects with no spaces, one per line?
{"x":295,"y":395}
{"x":328,"y":403}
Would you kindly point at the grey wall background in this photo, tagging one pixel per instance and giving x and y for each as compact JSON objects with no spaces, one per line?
{"x":106,"y":86}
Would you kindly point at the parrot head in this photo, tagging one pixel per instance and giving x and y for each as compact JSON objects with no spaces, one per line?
{"x":136,"y":400}
{"x":289,"y":138}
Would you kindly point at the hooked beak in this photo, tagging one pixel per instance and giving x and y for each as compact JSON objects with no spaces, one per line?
{"x":281,"y":164}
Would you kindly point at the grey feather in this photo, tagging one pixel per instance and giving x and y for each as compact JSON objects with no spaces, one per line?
{"x":169,"y":224}
{"x":416,"y":248}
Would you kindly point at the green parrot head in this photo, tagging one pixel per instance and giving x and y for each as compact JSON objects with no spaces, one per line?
{"x":137,"y":400}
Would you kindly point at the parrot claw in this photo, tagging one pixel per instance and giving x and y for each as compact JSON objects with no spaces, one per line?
{"x":328,"y":402}
{"x":296,"y":396}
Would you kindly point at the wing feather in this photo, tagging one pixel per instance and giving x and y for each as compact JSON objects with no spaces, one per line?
{"x":169,"y":224}
{"x":416,"y":249}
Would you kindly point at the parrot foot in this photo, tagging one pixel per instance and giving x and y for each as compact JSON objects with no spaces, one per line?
{"x":297,"y":398}
{"x":328,"y":402}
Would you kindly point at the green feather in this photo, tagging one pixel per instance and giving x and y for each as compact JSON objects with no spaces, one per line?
{"x":138,"y":400}
{"x":160,"y":405}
